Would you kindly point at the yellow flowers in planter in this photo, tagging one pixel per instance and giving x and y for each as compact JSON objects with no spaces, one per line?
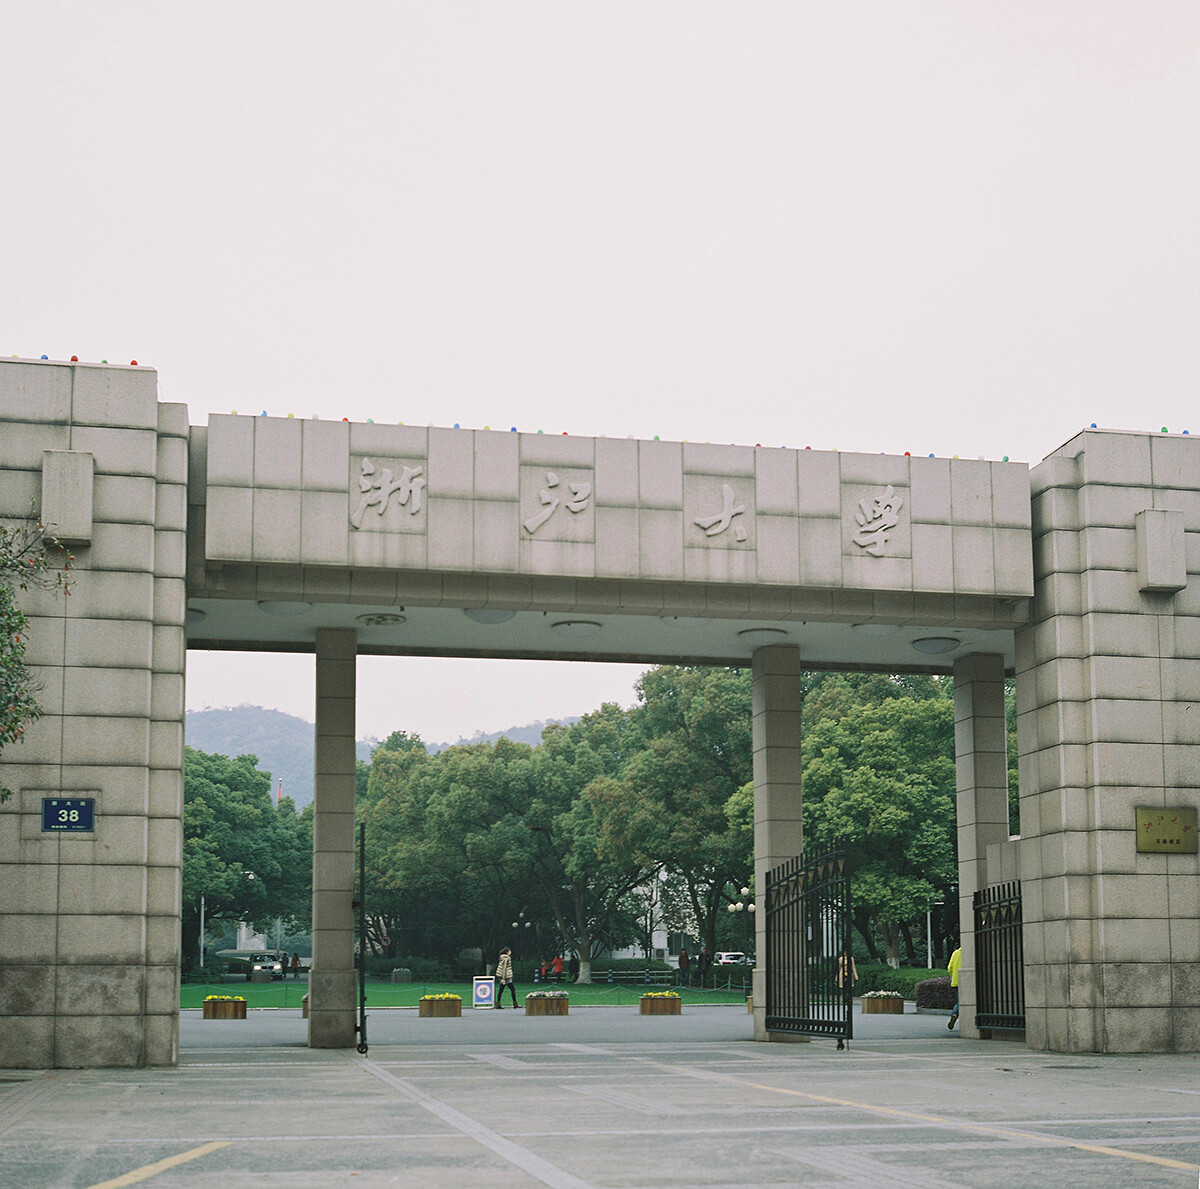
{"x":224,"y":1007}
{"x":446,"y":1004}
{"x":660,"y":1003}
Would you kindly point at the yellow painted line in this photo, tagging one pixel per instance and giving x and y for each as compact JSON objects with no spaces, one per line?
{"x":942,"y":1121}
{"x":152,"y":1170}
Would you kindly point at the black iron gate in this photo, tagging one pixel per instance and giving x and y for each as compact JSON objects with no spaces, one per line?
{"x":808,"y":931}
{"x":999,"y":957}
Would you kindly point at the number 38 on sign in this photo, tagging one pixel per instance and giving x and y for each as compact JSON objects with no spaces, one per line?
{"x":69,"y":813}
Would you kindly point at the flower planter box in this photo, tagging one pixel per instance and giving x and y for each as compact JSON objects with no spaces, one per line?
{"x":546,"y":1007}
{"x":656,"y":1005}
{"x":883,"y":1007}
{"x":440,"y":1008}
{"x":225,"y":1009}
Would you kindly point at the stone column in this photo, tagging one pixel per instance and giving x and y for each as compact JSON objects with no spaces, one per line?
{"x":778,"y":835}
{"x":90,"y":921}
{"x":981,"y":760}
{"x":1108,"y":673}
{"x":331,"y":984}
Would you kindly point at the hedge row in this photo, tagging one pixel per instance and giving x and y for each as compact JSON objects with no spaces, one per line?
{"x":884,"y":978}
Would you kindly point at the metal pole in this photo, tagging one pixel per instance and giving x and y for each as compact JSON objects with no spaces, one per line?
{"x":928,"y":939}
{"x":362,"y":938}
{"x":201,"y":932}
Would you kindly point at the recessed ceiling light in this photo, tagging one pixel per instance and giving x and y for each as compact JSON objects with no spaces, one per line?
{"x":576,"y":627}
{"x":761,"y":635}
{"x":380,"y":619}
{"x":271,"y":607}
{"x":936,"y":644}
{"x":488,"y":615}
{"x":875,"y":629}
{"x":684,"y":623}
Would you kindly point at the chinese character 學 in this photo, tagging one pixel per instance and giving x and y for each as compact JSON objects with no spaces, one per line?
{"x":377,"y":490}
{"x":713,"y":526}
{"x":580,"y":494}
{"x":876,"y":518}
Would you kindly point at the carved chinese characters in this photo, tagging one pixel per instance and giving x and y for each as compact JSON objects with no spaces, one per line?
{"x":388,"y":496}
{"x":877,"y":516}
{"x":552,"y":497}
{"x":718,"y":512}
{"x":557,"y":504}
{"x":714,"y":526}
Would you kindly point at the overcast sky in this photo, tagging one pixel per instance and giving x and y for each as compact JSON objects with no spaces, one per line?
{"x":952,"y":226}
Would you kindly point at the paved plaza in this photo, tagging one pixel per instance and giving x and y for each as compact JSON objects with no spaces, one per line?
{"x":603,"y":1098}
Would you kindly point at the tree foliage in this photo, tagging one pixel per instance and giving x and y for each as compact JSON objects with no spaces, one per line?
{"x":250,"y":859}
{"x":692,"y":752}
{"x":878,"y":757}
{"x":30,"y":557}
{"x":628,"y":820}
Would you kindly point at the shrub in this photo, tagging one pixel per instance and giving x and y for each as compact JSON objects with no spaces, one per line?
{"x":884,"y":978}
{"x":936,"y":992}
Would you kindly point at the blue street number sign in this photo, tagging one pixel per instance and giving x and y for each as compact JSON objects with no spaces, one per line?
{"x":69,"y":813}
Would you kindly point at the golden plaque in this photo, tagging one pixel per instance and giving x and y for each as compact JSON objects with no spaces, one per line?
{"x":1166,"y":831}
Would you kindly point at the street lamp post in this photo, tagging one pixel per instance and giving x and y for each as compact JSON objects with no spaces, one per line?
{"x":744,"y":907}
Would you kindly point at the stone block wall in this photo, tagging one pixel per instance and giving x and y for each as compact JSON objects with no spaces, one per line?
{"x":283,"y":492}
{"x":1108,"y":699}
{"x":89,"y":924}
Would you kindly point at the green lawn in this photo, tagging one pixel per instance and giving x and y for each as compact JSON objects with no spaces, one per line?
{"x":381,"y":994}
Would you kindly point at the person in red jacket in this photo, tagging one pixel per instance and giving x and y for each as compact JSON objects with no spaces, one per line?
{"x":556,"y":968}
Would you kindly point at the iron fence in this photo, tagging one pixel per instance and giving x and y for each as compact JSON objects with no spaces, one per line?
{"x":999,"y":957}
{"x":808,"y":931}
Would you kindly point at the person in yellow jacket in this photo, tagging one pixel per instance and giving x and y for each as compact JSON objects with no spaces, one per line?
{"x":954,"y":967}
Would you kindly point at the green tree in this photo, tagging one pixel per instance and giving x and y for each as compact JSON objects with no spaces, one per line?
{"x":467,"y":841}
{"x":250,"y":859}
{"x":384,"y":796}
{"x":443,"y":836}
{"x":30,"y":557}
{"x":692,"y":752}
{"x":879,"y":776}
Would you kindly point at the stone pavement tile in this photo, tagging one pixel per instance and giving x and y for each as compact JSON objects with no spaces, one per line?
{"x":609,"y":1104}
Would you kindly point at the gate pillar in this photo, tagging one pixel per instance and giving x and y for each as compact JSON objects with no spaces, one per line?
{"x":981,"y":763}
{"x":331,"y":1007}
{"x":778,"y":696}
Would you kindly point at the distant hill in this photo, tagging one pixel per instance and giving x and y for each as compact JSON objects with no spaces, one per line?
{"x":284,"y":743}
{"x":531,"y":733}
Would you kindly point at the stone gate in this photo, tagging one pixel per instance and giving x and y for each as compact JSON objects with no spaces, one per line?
{"x":341,"y":539}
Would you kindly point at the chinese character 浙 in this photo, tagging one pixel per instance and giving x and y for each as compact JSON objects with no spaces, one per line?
{"x":377,"y":490}
{"x":876,"y":518}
